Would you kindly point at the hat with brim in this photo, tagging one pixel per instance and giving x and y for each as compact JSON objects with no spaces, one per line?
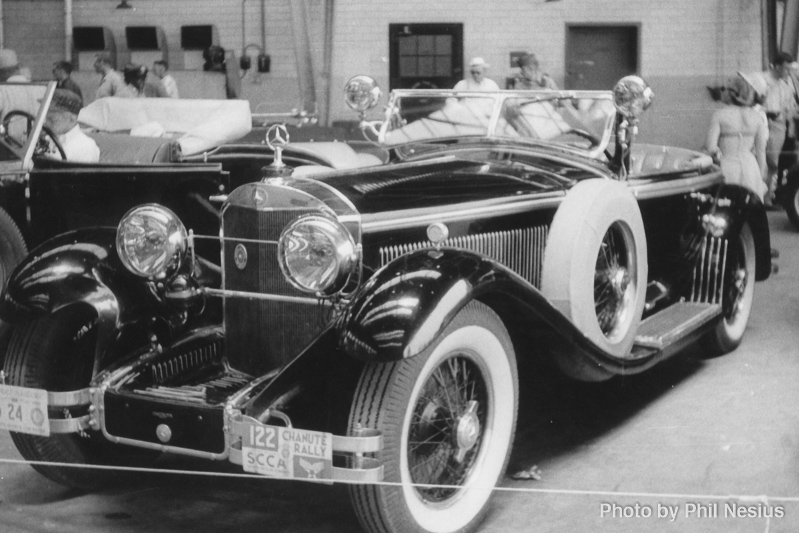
{"x":756,"y":81}
{"x":478,"y":62}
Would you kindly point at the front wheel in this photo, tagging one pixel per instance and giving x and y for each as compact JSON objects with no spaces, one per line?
{"x":448,"y":417}
{"x":737,"y":298}
{"x":56,"y":353}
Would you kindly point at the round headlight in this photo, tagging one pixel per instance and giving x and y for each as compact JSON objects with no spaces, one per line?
{"x":317,"y":255}
{"x":361,"y":93}
{"x":151,"y":241}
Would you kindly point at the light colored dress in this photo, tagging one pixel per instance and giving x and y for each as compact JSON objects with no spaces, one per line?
{"x":738,"y":137}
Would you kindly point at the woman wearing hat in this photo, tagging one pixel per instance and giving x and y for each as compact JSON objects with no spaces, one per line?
{"x":737,"y":138}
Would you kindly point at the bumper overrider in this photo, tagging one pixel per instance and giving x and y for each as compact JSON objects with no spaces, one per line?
{"x":221,"y":431}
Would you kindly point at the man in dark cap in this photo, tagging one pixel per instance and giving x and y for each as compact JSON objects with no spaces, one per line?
{"x":62,"y":118}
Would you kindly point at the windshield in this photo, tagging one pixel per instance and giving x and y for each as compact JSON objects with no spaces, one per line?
{"x":576,"y":120}
{"x":20,"y":108}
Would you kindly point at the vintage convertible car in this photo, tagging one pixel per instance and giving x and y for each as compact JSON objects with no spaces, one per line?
{"x":364,"y":324}
{"x":174,"y":152}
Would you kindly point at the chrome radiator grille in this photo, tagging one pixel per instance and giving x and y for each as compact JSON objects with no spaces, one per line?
{"x":182,"y":363}
{"x":262,"y":335}
{"x":521,"y":250}
{"x":708,"y":278}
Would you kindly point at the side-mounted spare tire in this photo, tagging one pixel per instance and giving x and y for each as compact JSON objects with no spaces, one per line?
{"x":595,"y":263}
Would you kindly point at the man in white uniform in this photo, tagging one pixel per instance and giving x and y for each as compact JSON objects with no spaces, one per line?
{"x":62,"y":118}
{"x":476,"y":80}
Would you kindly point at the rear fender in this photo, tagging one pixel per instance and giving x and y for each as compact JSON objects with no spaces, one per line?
{"x":739,"y":204}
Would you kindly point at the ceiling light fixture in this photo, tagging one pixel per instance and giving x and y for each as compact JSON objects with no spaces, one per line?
{"x":124,"y":5}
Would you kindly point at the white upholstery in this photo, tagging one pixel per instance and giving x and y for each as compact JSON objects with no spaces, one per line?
{"x":199,"y":125}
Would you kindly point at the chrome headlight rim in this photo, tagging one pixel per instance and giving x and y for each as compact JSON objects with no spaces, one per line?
{"x":171,"y":246}
{"x":341,"y":241}
{"x":362,"y":93}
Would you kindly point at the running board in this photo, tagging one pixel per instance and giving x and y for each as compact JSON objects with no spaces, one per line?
{"x":674,"y":323}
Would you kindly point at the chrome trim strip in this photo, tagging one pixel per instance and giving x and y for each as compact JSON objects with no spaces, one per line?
{"x":70,"y":425}
{"x":521,"y":249}
{"x":258,"y":296}
{"x":357,"y":444}
{"x":70,"y":398}
{"x":667,"y":187}
{"x":410,"y":218}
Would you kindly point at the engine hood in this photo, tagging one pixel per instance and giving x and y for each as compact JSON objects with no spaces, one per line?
{"x":451,"y":180}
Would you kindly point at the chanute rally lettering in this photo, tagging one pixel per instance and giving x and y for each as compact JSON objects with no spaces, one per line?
{"x":287,"y":452}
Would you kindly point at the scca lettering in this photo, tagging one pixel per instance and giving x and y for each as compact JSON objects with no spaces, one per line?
{"x":265,"y":460}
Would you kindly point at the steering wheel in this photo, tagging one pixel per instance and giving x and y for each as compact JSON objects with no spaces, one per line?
{"x":7,"y":122}
{"x":42,"y":146}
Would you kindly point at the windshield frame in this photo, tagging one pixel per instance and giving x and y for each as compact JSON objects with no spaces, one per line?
{"x":25,"y":153}
{"x":499,"y":98}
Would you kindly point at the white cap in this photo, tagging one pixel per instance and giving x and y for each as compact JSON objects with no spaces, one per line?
{"x":478,"y":62}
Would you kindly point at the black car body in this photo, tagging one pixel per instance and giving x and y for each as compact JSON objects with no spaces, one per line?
{"x":362,"y":324}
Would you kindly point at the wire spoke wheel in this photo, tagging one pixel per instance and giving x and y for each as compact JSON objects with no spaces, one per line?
{"x":612,"y":287}
{"x":447,"y":416}
{"x":444,"y":436}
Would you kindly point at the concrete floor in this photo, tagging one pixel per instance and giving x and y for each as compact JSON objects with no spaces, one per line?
{"x":676,"y":436}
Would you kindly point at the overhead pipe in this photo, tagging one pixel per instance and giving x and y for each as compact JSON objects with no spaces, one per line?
{"x":263,"y":58}
{"x":302,"y":52}
{"x":327,"y":66}
{"x":67,"y":30}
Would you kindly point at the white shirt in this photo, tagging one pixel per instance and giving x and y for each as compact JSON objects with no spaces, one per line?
{"x":170,"y":86}
{"x":468,"y":84}
{"x":79,"y":147}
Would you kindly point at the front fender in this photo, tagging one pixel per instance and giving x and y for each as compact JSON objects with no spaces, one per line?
{"x":407,"y":304}
{"x":79,"y":267}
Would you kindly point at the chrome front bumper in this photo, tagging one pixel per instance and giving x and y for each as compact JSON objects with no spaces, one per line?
{"x":359,"y":469}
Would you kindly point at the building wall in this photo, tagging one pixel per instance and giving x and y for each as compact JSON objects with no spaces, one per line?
{"x":276,"y":91}
{"x":685,"y":45}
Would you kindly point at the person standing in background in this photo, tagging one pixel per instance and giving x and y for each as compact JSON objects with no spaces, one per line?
{"x":112,"y":82}
{"x":476,"y":80}
{"x":531,"y":77}
{"x":62,"y":72}
{"x":160,"y":68}
{"x":780,"y":107}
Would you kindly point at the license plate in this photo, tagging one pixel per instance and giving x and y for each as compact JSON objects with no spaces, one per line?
{"x":287,"y":452}
{"x":24,"y":410}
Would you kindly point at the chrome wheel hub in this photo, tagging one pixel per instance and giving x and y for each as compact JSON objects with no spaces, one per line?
{"x":467,"y":431}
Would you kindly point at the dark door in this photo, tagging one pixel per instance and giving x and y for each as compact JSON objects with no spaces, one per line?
{"x":598,"y":56}
{"x":425,"y":56}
